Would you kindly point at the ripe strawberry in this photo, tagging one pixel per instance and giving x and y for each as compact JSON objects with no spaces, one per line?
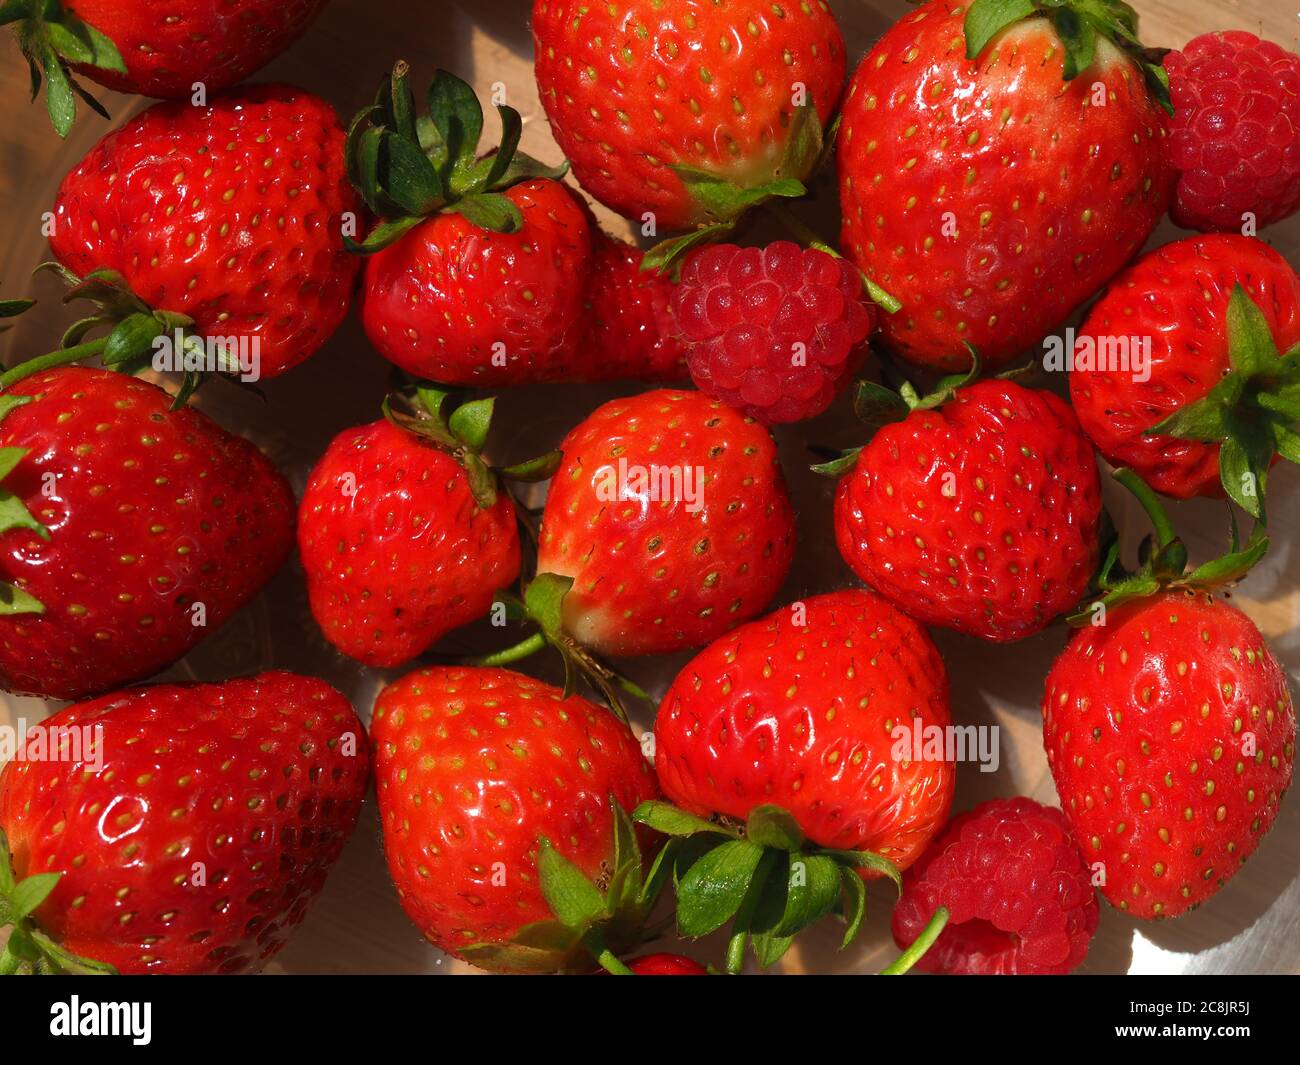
{"x":130,"y":532}
{"x":1019,"y":896}
{"x":500,"y":800}
{"x":1211,"y":405}
{"x":980,"y":515}
{"x":776,"y":332}
{"x":178,"y":829}
{"x":1169,"y":730}
{"x":403,"y":532}
{"x":666,"y":965}
{"x":685,"y":111}
{"x":985,"y":180}
{"x":225,"y":220}
{"x":134,"y":46}
{"x":670,"y":514}
{"x":1234,"y":139}
{"x":790,"y":725}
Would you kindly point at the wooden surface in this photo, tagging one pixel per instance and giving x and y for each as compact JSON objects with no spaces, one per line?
{"x":357,"y":926}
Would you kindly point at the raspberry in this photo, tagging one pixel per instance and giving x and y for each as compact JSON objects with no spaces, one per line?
{"x":775,"y":331}
{"x":1235,"y":136}
{"x":1017,"y":890}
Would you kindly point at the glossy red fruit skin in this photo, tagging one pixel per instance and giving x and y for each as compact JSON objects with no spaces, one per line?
{"x":635,"y":88}
{"x":1234,"y":137}
{"x":981,"y":515}
{"x":473,"y":765}
{"x":775,"y":332}
{"x":666,"y":965}
{"x":801,"y":715}
{"x":1020,"y":899}
{"x":257,"y":780}
{"x":396,"y":551}
{"x":1047,"y":206}
{"x":651,"y":576}
{"x":464,"y":306}
{"x":139,"y":532}
{"x":1146,"y":722}
{"x":1177,"y":296}
{"x":231,"y":213}
{"x":167,"y":49}
{"x":629,"y":328}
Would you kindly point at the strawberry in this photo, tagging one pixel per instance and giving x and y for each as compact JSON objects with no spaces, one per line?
{"x":139,"y":46}
{"x":787,"y":727}
{"x":666,"y":965}
{"x":1169,"y":730}
{"x":998,"y":164}
{"x":670,"y":515}
{"x":223,"y":221}
{"x":977,"y":509}
{"x":1202,"y":404}
{"x":677,"y":113}
{"x":502,"y":801}
{"x":178,"y":829}
{"x":403,"y":532}
{"x":130,"y":530}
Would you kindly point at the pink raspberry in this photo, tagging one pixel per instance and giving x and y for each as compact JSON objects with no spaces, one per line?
{"x":1235,"y":136}
{"x":775,"y":331}
{"x":1018,"y":893}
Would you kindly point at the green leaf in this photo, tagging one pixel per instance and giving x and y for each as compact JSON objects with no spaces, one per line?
{"x":713,"y":888}
{"x":1207,"y":418}
{"x":457,"y":116}
{"x":512,"y":126}
{"x":803,"y":146}
{"x":855,"y":903}
{"x":1287,"y":442}
{"x":1232,"y":566}
{"x":573,"y":898}
{"x":877,"y":405}
{"x":1250,"y":344}
{"x":771,"y":826}
{"x":1243,"y":470}
{"x":538,"y":469}
{"x":30,"y":892}
{"x":838,"y":467}
{"x":724,"y":200}
{"x":6,"y":866}
{"x":82,"y":43}
{"x":407,"y":176}
{"x":470,"y":423}
{"x":1079,"y":38}
{"x":657,"y":875}
{"x":364,"y":155}
{"x":400,"y":104}
{"x":668,"y":820}
{"x":985,"y":19}
{"x":813,"y":887}
{"x":524,"y":167}
{"x":13,"y":308}
{"x":132,"y":337}
{"x":664,"y":256}
{"x":491,"y":211}
{"x":383,"y":235}
{"x":544,"y":598}
{"x":867,"y":860}
{"x":60,"y":101}
{"x":13,"y":600}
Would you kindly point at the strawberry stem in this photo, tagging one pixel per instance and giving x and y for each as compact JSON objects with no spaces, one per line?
{"x":923,"y":943}
{"x":530,"y":646}
{"x":609,"y":961}
{"x":62,"y":357}
{"x":1150,"y":503}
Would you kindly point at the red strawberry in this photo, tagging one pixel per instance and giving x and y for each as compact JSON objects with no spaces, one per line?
{"x":145,"y":529}
{"x":1019,"y":896}
{"x":684,"y":110}
{"x":790,"y":725}
{"x":981,"y":515}
{"x":1169,"y":729}
{"x":775,"y":331}
{"x":229,"y":215}
{"x":1208,"y":316}
{"x":666,"y":965}
{"x":459,"y":304}
{"x":986,"y":182}
{"x":1236,"y":132}
{"x":493,"y":788}
{"x":138,"y":46}
{"x":188,"y":827}
{"x":670,"y":514}
{"x":404,"y":534}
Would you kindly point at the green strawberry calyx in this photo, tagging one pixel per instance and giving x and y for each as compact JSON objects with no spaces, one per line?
{"x":725,"y":202}
{"x":769,"y":880}
{"x":407,"y":167}
{"x":596,"y":920}
{"x":29,"y":951}
{"x":543,"y":605}
{"x":1163,"y":560}
{"x":1253,"y":413}
{"x":51,"y":37}
{"x":878,"y":405}
{"x":461,"y":429}
{"x":1079,"y":24}
{"x":132,"y":327}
